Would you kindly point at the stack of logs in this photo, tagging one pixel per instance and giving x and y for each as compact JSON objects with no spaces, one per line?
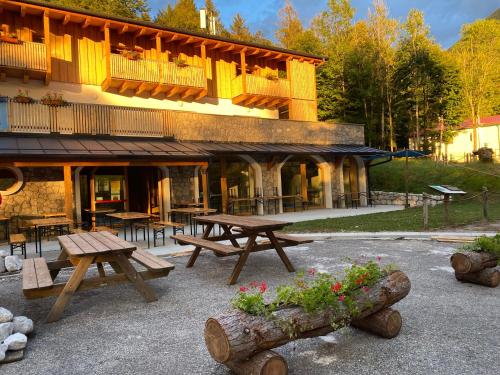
{"x":242,"y":342}
{"x":476,"y":267}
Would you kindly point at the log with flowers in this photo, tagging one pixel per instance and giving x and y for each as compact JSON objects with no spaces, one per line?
{"x":477,"y":262}
{"x":314,"y":305}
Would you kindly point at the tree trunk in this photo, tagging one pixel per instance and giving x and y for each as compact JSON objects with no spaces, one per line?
{"x":264,"y":363}
{"x":235,"y":335}
{"x":487,"y":277}
{"x":385,"y":323}
{"x":470,"y":262}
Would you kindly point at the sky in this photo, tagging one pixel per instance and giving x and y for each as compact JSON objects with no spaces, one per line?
{"x":445,"y":17}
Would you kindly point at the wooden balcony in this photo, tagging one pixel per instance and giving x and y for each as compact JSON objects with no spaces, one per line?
{"x":155,"y":77}
{"x":24,"y":60}
{"x":253,"y":90}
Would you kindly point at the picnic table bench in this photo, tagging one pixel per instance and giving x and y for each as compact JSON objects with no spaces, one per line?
{"x":82,"y":250}
{"x":244,"y":227}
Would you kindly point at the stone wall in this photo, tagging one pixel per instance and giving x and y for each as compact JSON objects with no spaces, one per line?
{"x":192,"y":127}
{"x":392,"y":198}
{"x":42,"y":192}
{"x":182,"y":184}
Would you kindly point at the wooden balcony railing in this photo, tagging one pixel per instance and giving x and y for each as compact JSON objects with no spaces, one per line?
{"x":261,"y":86}
{"x":26,"y":56}
{"x":134,"y":70}
{"x":189,"y":76}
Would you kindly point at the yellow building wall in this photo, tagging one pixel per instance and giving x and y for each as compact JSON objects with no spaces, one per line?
{"x":488,"y":136}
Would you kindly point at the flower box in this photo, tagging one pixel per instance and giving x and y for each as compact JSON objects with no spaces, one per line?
{"x":23,"y":99}
{"x":10,"y":39}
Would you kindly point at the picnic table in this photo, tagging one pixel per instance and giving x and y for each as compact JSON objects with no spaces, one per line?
{"x":81,"y":250}
{"x":40,"y":225}
{"x":236,"y":227}
{"x":132,"y":217}
{"x":98,"y":211}
{"x":190,"y":213}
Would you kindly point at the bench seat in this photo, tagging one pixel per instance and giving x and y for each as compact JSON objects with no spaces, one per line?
{"x":36,"y":275}
{"x":150,"y":261}
{"x":291,"y":239}
{"x":170,"y":224}
{"x":106,"y":229}
{"x":17,"y":238}
{"x":206,"y":244}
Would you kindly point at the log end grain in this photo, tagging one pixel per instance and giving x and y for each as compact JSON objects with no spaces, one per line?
{"x":384,"y":323}
{"x":263,"y":363}
{"x":216,"y":341}
{"x":467,"y":262}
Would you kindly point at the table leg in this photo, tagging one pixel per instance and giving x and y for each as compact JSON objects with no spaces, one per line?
{"x":242,"y":259}
{"x":135,"y":278}
{"x":197,"y":250}
{"x":70,"y":288}
{"x":100,"y":269}
{"x":227,"y":232}
{"x":62,"y":256}
{"x":147,"y":230}
{"x":280,"y":251}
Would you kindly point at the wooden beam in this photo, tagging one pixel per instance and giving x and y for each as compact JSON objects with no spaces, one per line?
{"x":68,"y":192}
{"x":203,"y":53}
{"x":102,"y":163}
{"x":107,"y":51}
{"x":175,"y":90}
{"x":267,"y":54}
{"x":157,"y":90}
{"x":124,"y":87}
{"x":141,"y":88}
{"x":243,"y":71}
{"x":201,"y":94}
{"x":142,"y":31}
{"x":204,"y":186}
{"x":223,"y":185}
{"x":86,"y":23}
{"x":263,"y":102}
{"x":46,"y":39}
{"x":26,"y":77}
{"x":251,"y":100}
{"x":255,"y":52}
{"x":174,"y":37}
{"x":230,"y":48}
{"x":186,"y":94}
{"x":239,"y":99}
{"x":189,"y":40}
{"x":123,"y":29}
{"x":275,"y":102}
{"x":23,"y":11}
{"x":67,"y":19}
{"x":303,"y":181}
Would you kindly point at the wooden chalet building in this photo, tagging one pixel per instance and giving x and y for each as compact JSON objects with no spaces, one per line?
{"x":101,"y":111}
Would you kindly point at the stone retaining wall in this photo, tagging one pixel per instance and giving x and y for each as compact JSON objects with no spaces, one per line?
{"x":393,"y":198}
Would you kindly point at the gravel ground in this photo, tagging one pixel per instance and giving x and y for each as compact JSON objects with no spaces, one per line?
{"x":448,"y":327}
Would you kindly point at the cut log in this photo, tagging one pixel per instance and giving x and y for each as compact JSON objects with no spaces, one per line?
{"x":384,"y":323}
{"x":487,"y":277}
{"x":235,"y":335}
{"x":470,"y":261}
{"x":264,"y":363}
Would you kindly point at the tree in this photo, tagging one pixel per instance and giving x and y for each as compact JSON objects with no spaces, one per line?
{"x":476,"y":55}
{"x":214,"y":12}
{"x":290,"y":27}
{"x":135,"y":9}
{"x":183,"y":15}
{"x":239,"y":30}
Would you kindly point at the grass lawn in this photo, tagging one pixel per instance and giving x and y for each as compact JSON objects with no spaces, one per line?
{"x":424,"y":172}
{"x":411,"y":219}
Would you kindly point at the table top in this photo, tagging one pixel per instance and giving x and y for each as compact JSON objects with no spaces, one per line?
{"x":249,"y":223}
{"x":3,"y":218}
{"x":94,"y":243}
{"x":193,"y":210}
{"x":129,"y":215}
{"x":100,"y":211}
{"x":55,"y":214}
{"x":51,"y":221}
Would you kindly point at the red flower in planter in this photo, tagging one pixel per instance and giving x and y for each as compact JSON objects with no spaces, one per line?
{"x":342,"y":298}
{"x":263,"y":287}
{"x":365,"y":289}
{"x":254,"y":284}
{"x":336,"y":287}
{"x":311,"y":271}
{"x":379,"y":258}
{"x":243,"y":289}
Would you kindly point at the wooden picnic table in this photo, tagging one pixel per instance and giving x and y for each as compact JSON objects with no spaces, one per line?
{"x":53,"y":222}
{"x":132,"y":217}
{"x":190,"y":213}
{"x":244,"y":227}
{"x":98,"y":211}
{"x":81,"y":250}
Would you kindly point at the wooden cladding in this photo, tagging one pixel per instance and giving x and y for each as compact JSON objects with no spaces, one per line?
{"x":25,"y":56}
{"x":189,"y":76}
{"x":76,"y":118}
{"x":250,"y":89}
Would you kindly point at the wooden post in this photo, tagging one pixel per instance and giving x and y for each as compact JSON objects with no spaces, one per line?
{"x":204,"y":186}
{"x":223,"y":185}
{"x":46,"y":37}
{"x":107,"y":51}
{"x":303,"y":181}
{"x":243,"y":71}
{"x":68,"y":192}
{"x":125,"y":190}
{"x":92,"y":196}
{"x":158,"y":55}
{"x":426,"y":210}
{"x":203,"y":51}
{"x":446,"y":203}
{"x":485,"y":203}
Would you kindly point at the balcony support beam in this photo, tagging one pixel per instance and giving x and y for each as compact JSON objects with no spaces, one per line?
{"x":107,"y":50}
{"x":175,"y":90}
{"x":243,"y":70}
{"x":46,"y":35}
{"x":123,"y":29}
{"x":23,"y":11}
{"x":251,"y":100}
{"x":141,"y":88}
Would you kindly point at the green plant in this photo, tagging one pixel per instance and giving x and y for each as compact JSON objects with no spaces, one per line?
{"x":484,"y":244}
{"x":251,"y":299}
{"x":53,"y":99}
{"x":271,"y":76}
{"x":180,"y":62}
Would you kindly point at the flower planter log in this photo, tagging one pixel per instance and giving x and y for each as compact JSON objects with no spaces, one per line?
{"x":468,"y":262}
{"x":235,"y":336}
{"x":263,"y":363}
{"x":487,"y":277}
{"x":476,"y":267}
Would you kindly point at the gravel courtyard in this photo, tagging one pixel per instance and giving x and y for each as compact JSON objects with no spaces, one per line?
{"x":448,"y":327}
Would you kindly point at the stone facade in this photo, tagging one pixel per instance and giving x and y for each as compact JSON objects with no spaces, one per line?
{"x":42,"y":192}
{"x":182,"y":184}
{"x":392,"y":198}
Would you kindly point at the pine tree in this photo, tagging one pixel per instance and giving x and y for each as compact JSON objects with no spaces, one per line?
{"x":135,"y":9}
{"x":214,"y":12}
{"x":290,"y":29}
{"x":239,"y":30}
{"x":183,"y":15}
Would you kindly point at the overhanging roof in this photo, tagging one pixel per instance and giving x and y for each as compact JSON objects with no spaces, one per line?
{"x":21,"y":146}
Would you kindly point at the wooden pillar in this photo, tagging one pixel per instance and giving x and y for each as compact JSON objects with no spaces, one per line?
{"x":92,"y":196}
{"x":243,"y":71}
{"x":203,"y":51}
{"x":126,"y":190}
{"x":223,"y":185}
{"x":46,"y":37}
{"x":303,"y":181}
{"x":158,"y":55}
{"x":107,"y":51}
{"x":68,"y":192}
{"x":204,"y":186}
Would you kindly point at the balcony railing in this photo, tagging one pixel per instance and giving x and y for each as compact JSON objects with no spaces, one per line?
{"x":261,"y":86}
{"x":26,"y":56}
{"x":134,"y":70}
{"x":189,"y":76}
{"x":96,"y":119}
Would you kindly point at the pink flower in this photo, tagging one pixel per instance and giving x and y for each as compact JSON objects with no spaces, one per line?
{"x":263,"y":287}
{"x":342,"y":298}
{"x":311,"y":271}
{"x":243,"y":289}
{"x":365,"y":289}
{"x":336,"y":287}
{"x":379,"y":258}
{"x":254,"y":284}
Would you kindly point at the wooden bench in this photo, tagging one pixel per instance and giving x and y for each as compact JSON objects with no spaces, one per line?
{"x":290,"y":240}
{"x":17,"y":241}
{"x":223,"y":250}
{"x":106,"y":229}
{"x":36,"y":276}
{"x":151,"y":262}
{"x":159,"y":229}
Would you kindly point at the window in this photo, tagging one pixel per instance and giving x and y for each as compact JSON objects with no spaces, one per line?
{"x":11,"y":180}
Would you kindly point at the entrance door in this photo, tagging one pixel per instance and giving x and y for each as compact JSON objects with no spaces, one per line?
{"x":143,"y":189}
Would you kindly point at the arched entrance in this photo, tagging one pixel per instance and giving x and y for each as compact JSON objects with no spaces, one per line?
{"x":351,"y":178}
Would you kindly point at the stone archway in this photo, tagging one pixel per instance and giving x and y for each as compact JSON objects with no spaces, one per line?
{"x":258,"y":178}
{"x":361,"y":177}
